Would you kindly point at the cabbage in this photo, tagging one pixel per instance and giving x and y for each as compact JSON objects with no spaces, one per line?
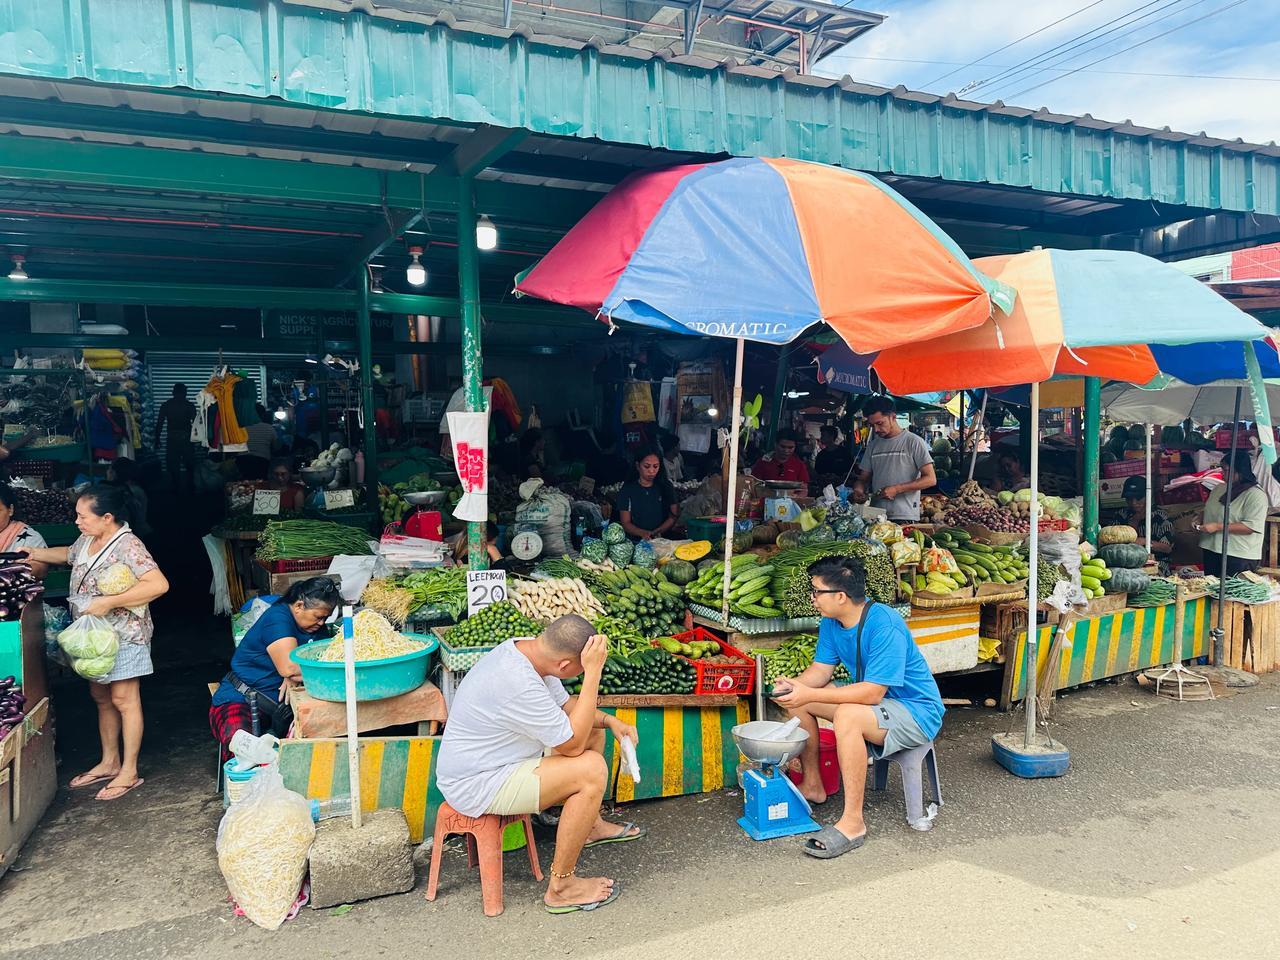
{"x":1022,"y":496}
{"x":1052,"y":504}
{"x":1004,"y":497}
{"x":94,"y":668}
{"x":85,"y":641}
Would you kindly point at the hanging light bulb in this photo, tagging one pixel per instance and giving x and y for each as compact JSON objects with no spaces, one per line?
{"x":415,"y":273}
{"x":18,"y":272}
{"x":486,"y":234}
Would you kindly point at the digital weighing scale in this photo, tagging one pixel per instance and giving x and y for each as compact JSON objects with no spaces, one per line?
{"x":772,"y":806}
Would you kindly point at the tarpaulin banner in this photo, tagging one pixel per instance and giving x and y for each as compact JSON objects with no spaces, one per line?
{"x":469,"y":435}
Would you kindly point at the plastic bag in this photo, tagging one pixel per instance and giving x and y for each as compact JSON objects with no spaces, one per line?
{"x":92,"y":645}
{"x":263,"y":843}
{"x":885,"y":531}
{"x":1062,"y":548}
{"x":938,"y":560}
{"x":116,"y":579}
{"x":905,"y":552}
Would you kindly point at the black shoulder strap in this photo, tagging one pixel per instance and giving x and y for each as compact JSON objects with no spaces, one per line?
{"x":857,"y":643}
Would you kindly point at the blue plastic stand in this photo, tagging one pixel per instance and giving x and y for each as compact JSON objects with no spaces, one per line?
{"x":1008,"y":751}
{"x":773,"y":807}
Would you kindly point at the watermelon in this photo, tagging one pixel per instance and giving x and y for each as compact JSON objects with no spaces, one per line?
{"x":621,"y":553}
{"x":595,"y":550}
{"x":643,"y":555}
{"x":614,"y":533}
{"x":680,"y":572}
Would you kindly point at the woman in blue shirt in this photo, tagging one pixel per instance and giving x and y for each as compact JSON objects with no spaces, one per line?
{"x":251,"y":695}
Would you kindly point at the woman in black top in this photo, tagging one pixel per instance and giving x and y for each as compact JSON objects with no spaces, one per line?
{"x":647,"y":505}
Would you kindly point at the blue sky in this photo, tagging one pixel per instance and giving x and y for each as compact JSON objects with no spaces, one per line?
{"x":1239,"y":39}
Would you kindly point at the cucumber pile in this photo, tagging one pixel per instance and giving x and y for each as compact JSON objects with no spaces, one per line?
{"x":750,"y":588}
{"x":645,"y":599}
{"x":1093,"y":577}
{"x":651,"y":671}
{"x":981,"y":563}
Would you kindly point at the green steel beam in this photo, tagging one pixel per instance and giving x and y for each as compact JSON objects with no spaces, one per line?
{"x":374,"y":242}
{"x":17,"y":340}
{"x":395,"y":63}
{"x":480,"y":149}
{"x":1091,"y":434}
{"x":65,"y":162}
{"x":284,"y":298}
{"x":364,"y":331}
{"x":472,"y":360}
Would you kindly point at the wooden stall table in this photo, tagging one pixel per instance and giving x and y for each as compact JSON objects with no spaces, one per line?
{"x":1251,"y":635}
{"x":1109,"y":645}
{"x":317,"y":719}
{"x":686,"y":746}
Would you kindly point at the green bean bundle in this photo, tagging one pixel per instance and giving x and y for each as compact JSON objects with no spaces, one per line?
{"x":301,"y":539}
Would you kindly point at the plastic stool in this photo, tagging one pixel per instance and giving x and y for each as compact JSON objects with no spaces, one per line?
{"x":912,"y":763}
{"x":484,"y":848}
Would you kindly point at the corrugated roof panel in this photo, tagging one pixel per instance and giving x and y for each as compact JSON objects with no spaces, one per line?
{"x":425,"y":67}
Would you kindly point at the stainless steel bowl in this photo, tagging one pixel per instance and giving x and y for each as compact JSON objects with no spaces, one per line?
{"x":318,"y":477}
{"x":750,"y":738}
{"x":427,"y":498}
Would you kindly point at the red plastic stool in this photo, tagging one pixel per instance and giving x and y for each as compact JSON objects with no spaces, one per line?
{"x":484,"y":847}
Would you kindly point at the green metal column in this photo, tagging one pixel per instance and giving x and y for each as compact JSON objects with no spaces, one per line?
{"x":1090,"y":435}
{"x":365,"y":332}
{"x":472,"y":361}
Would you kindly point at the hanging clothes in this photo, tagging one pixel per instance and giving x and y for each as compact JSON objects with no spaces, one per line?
{"x":217,"y":424}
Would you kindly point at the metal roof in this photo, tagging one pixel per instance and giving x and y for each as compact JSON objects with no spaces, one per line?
{"x":401,"y":65}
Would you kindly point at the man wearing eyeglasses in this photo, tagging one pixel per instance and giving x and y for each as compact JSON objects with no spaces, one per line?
{"x":892,"y":704}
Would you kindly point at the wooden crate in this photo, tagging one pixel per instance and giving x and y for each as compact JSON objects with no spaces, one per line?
{"x":1271,"y":543}
{"x":1251,"y":638}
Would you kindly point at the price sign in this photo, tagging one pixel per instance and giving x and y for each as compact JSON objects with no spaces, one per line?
{"x":337,"y":499}
{"x":266,"y":502}
{"x":483,"y":588}
{"x":587,"y":485}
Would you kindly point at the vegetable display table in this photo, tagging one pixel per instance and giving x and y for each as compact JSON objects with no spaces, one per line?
{"x":28,"y":777}
{"x":1109,"y":645}
{"x":315,"y":718}
{"x":683,"y":749}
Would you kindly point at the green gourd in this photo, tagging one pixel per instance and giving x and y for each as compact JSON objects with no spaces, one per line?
{"x":1119,"y":555}
{"x":1125,"y":580}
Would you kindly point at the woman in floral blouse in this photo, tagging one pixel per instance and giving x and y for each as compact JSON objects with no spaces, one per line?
{"x":106,"y":555}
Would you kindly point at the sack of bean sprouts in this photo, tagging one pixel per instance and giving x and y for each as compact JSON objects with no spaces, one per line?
{"x":263,"y":843}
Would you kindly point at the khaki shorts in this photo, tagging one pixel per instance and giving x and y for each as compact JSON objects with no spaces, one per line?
{"x":522,"y":793}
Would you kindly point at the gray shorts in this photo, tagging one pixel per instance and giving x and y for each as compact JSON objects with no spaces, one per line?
{"x":903,"y":731}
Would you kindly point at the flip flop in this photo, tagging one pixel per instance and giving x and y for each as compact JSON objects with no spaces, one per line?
{"x":834,"y":843}
{"x":80,"y":780}
{"x":99,"y":794}
{"x":621,"y":837}
{"x":587,"y":907}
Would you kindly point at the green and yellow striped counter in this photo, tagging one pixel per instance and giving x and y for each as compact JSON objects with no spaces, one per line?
{"x":1113,"y":644}
{"x":683,"y":749}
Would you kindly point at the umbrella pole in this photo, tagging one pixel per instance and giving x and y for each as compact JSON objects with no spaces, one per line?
{"x":977,"y":432}
{"x":731,"y":496}
{"x":1033,"y":586}
{"x":1218,"y":633}
{"x":1150,"y":492}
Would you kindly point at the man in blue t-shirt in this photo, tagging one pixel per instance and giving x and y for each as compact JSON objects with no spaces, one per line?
{"x":893,"y":703}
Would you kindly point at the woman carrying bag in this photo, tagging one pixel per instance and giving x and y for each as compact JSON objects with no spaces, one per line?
{"x":107,"y":553}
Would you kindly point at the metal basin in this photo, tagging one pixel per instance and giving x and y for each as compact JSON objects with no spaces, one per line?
{"x":750,"y":738}
{"x":318,"y":477}
{"x":427,"y":498}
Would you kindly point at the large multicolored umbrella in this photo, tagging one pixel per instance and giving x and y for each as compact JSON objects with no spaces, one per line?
{"x":1111,"y":314}
{"x":764,"y":249}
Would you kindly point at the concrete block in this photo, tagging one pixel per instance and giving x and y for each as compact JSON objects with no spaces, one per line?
{"x":349,"y":865}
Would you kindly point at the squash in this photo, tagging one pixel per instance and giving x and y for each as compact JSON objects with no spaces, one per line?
{"x":1117,"y":534}
{"x":788,"y":539}
{"x":1127,"y":581}
{"x":680,"y":572}
{"x":693,"y":551}
{"x":763,"y":533}
{"x":1118,"y":556}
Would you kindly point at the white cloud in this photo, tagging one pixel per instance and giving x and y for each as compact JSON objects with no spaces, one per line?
{"x":1244,"y":41}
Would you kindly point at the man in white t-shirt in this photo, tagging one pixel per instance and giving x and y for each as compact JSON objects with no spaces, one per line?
{"x":516,"y":742}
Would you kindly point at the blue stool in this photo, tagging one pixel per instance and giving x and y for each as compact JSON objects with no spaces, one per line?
{"x":912,"y":765}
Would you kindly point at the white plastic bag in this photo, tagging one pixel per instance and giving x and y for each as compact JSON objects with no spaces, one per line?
{"x":92,"y":644}
{"x":1063,"y":548}
{"x":263,"y":844}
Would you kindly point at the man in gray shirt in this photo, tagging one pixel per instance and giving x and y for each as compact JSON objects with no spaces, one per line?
{"x":895,"y":463}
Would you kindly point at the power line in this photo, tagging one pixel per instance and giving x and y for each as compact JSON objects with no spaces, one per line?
{"x":1070,"y":43}
{"x":1114,"y":73}
{"x":1093,"y":45}
{"x":1212,"y":13}
{"x":1016,"y":42}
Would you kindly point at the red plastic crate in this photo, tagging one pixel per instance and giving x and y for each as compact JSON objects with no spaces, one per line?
{"x":305,"y":565}
{"x":718,"y":679}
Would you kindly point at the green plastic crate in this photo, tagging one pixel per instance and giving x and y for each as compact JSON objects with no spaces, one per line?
{"x":67,"y":453}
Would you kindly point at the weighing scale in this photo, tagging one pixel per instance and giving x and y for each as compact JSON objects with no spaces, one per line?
{"x":772,"y":806}
{"x":424,"y":523}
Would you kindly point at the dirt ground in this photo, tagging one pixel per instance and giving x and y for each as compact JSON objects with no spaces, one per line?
{"x":1160,"y":842}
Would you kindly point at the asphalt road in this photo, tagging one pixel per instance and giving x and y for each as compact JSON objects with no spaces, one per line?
{"x":1161,"y":842}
